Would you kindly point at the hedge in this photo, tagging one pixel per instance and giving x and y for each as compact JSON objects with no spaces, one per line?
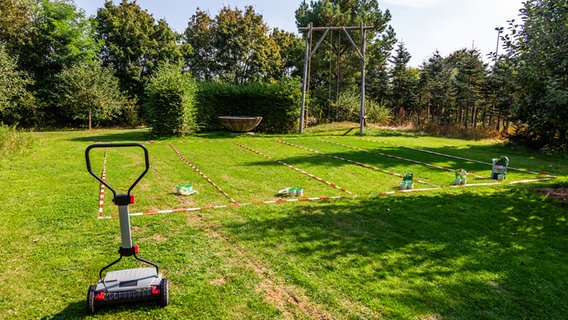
{"x":277,"y":103}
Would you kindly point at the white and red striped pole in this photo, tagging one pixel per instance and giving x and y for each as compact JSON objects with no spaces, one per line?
{"x":102,"y":192}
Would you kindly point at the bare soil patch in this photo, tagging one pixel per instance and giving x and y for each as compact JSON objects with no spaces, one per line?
{"x":560,"y":194}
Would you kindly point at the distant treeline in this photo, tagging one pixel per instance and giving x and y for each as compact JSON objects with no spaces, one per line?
{"x":63,"y":69}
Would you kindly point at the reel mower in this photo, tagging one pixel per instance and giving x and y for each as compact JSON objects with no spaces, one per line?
{"x":128,"y":285}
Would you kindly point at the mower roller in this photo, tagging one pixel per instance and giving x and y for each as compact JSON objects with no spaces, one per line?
{"x":128,"y":285}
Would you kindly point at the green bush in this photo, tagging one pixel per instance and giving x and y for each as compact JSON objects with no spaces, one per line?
{"x":347,"y":107}
{"x":377,"y":113}
{"x":170,"y":103}
{"x":277,"y":103}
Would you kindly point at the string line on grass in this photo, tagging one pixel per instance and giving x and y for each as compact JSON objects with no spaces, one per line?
{"x":500,"y":183}
{"x":403,"y":159}
{"x":202,"y":174}
{"x":292,"y":167}
{"x":269,"y":202}
{"x":352,"y":161}
{"x":102,"y":192}
{"x":231,"y":205}
{"x":461,"y":158}
{"x":323,"y":198}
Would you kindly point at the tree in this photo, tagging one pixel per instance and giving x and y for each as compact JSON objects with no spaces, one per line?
{"x":435,"y":85}
{"x":46,"y":36}
{"x":89,"y":92}
{"x":291,"y":49}
{"x":61,"y":36}
{"x":451,"y":89}
{"x":16,"y":103}
{"x":539,"y":50}
{"x":403,"y":80}
{"x":235,"y":46}
{"x":54,"y":34}
{"x":15,"y":23}
{"x":470,"y":74}
{"x":500,"y":93}
{"x":198,"y":35}
{"x":134,"y":44}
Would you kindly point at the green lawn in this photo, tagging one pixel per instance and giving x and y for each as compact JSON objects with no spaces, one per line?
{"x":480,"y":252}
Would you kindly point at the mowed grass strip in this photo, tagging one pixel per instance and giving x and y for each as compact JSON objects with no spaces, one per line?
{"x":247,"y":176}
{"x":359,"y":180}
{"x":376,"y":146}
{"x":477,"y":168}
{"x":484,"y":151}
{"x":431,"y":177}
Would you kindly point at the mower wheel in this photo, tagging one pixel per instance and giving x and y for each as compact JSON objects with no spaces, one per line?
{"x":91,"y":300}
{"x":164,"y":297}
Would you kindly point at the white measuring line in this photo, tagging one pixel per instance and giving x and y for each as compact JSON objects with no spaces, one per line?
{"x":268,"y":202}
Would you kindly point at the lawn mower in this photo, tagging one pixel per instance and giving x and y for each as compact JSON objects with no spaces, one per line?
{"x":128,"y":285}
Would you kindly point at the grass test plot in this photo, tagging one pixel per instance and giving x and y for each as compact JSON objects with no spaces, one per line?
{"x":351,"y":151}
{"x":354,"y":178}
{"x":472,"y":162}
{"x":158,"y":190}
{"x":434,"y":174}
{"x":169,"y":171}
{"x":254,"y":170}
{"x":442,"y":169}
{"x":245,"y":175}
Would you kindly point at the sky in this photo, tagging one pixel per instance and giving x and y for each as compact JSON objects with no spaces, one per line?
{"x":423,"y":25}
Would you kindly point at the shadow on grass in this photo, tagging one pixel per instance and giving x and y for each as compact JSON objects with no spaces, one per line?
{"x":110,"y":136}
{"x":78,"y":310}
{"x":520,"y":158}
{"x":458,"y":256}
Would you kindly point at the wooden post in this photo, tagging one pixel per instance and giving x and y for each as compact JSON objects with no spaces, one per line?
{"x":363,"y":49}
{"x":308,"y":55}
{"x":305,"y":76}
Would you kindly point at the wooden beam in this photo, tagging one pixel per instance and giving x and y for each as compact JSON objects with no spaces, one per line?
{"x":304,"y":29}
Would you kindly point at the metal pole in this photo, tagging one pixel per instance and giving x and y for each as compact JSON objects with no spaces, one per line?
{"x":305,"y":77}
{"x":125,"y":235}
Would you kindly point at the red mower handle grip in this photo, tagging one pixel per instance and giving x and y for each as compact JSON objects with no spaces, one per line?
{"x":117,"y":145}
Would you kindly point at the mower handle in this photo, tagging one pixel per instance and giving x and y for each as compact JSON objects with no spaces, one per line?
{"x":117,"y":145}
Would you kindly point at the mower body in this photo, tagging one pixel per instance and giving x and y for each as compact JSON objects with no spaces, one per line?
{"x":126,"y":285}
